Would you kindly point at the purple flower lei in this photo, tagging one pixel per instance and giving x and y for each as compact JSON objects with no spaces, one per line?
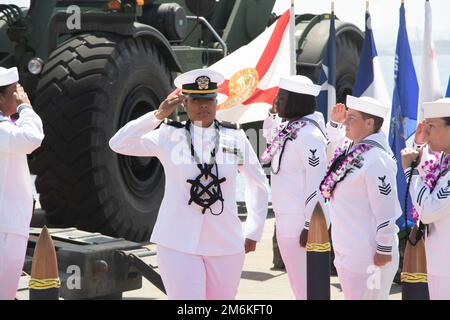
{"x":330,"y":181}
{"x":432,"y":170}
{"x":283,"y":132}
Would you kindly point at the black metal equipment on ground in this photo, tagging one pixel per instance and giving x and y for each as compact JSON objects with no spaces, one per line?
{"x":95,"y":266}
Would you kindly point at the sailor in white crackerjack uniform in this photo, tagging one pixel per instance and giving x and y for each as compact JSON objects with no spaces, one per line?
{"x":360,"y":186}
{"x":297,"y":151}
{"x":17,"y":139}
{"x":198,"y":232}
{"x":430,"y":194}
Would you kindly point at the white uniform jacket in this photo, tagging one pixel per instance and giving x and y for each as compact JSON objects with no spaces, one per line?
{"x":295,"y":188}
{"x":16,"y":197}
{"x":183,"y":227}
{"x":434,"y":210}
{"x":365,"y":207}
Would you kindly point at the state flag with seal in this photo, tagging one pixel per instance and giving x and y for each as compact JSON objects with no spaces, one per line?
{"x":252,"y":74}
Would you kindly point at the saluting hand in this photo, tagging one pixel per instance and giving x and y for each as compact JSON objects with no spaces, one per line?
{"x":338,"y":113}
{"x":409,"y":156}
{"x":274,"y":106}
{"x":21,"y":96}
{"x":250,"y":245}
{"x":168,"y":106}
{"x":421,"y":135}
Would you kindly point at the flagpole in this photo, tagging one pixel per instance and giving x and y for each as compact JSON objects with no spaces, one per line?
{"x":293,"y":68}
{"x":332,"y":90}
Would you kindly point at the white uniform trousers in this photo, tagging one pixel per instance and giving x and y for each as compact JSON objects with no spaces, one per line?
{"x":289,"y":227}
{"x":12,"y":256}
{"x":294,"y":258}
{"x":375,"y":284}
{"x":194,"y":277}
{"x":439,"y":287}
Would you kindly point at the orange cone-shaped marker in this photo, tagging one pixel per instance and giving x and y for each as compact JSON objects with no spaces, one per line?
{"x":44,"y":283}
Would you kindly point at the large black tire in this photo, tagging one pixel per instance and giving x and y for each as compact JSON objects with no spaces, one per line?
{"x":348,"y":50}
{"x":91,"y":86}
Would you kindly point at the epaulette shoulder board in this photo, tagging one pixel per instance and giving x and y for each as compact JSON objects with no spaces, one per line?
{"x":230,"y":125}
{"x":173,"y":123}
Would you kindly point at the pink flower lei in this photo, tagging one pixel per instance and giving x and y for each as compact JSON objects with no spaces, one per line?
{"x":432,"y":170}
{"x":332,"y":178}
{"x":284,"y":132}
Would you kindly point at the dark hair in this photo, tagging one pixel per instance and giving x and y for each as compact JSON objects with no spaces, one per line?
{"x":377,"y":121}
{"x":447,"y":121}
{"x":299,"y":105}
{"x":3,"y":89}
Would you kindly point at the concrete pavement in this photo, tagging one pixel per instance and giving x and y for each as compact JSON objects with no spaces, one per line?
{"x":258,"y":282}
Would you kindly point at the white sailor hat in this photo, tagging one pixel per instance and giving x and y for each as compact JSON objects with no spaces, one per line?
{"x":8,"y":76}
{"x":299,"y":84}
{"x":437,"y":109}
{"x":200,"y":83}
{"x":367,"y":105}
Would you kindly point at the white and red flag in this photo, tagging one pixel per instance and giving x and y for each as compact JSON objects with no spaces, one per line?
{"x":252,"y":74}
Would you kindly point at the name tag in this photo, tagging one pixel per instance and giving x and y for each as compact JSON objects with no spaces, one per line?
{"x":236,"y":152}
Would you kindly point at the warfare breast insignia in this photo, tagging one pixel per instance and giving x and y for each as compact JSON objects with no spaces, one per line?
{"x":385,"y":188}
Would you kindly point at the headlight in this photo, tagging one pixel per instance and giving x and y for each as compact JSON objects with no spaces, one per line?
{"x":35,"y":66}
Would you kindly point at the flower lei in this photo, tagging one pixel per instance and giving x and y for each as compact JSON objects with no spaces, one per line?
{"x":284,"y":132}
{"x":330,"y":181}
{"x":432,"y":169}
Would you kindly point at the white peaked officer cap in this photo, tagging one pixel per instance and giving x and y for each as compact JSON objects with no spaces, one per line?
{"x":200,"y":82}
{"x":8,"y":76}
{"x":299,"y":84}
{"x":438,"y":109}
{"x":367,"y":105}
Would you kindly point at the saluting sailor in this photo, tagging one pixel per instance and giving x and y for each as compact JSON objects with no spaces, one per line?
{"x":297,"y":152}
{"x":430,"y":194}
{"x":360,"y":186}
{"x":17,"y":139}
{"x":200,"y":243}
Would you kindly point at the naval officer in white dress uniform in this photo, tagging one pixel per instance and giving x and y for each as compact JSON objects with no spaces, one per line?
{"x":17,"y":139}
{"x":360,"y":187}
{"x":430,"y":194}
{"x":297,"y":151}
{"x":200,"y":241}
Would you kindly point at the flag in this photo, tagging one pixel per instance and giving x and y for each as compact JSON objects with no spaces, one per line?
{"x":448,"y":89}
{"x":404,"y":104}
{"x":430,"y":84}
{"x":327,"y":97}
{"x":252,"y":74}
{"x":369,"y":79}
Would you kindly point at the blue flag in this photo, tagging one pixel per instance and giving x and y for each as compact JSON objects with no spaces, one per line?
{"x":369,"y":79}
{"x":404,"y":106}
{"x":448,"y":89}
{"x":327,"y":97}
{"x":365,"y":75}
